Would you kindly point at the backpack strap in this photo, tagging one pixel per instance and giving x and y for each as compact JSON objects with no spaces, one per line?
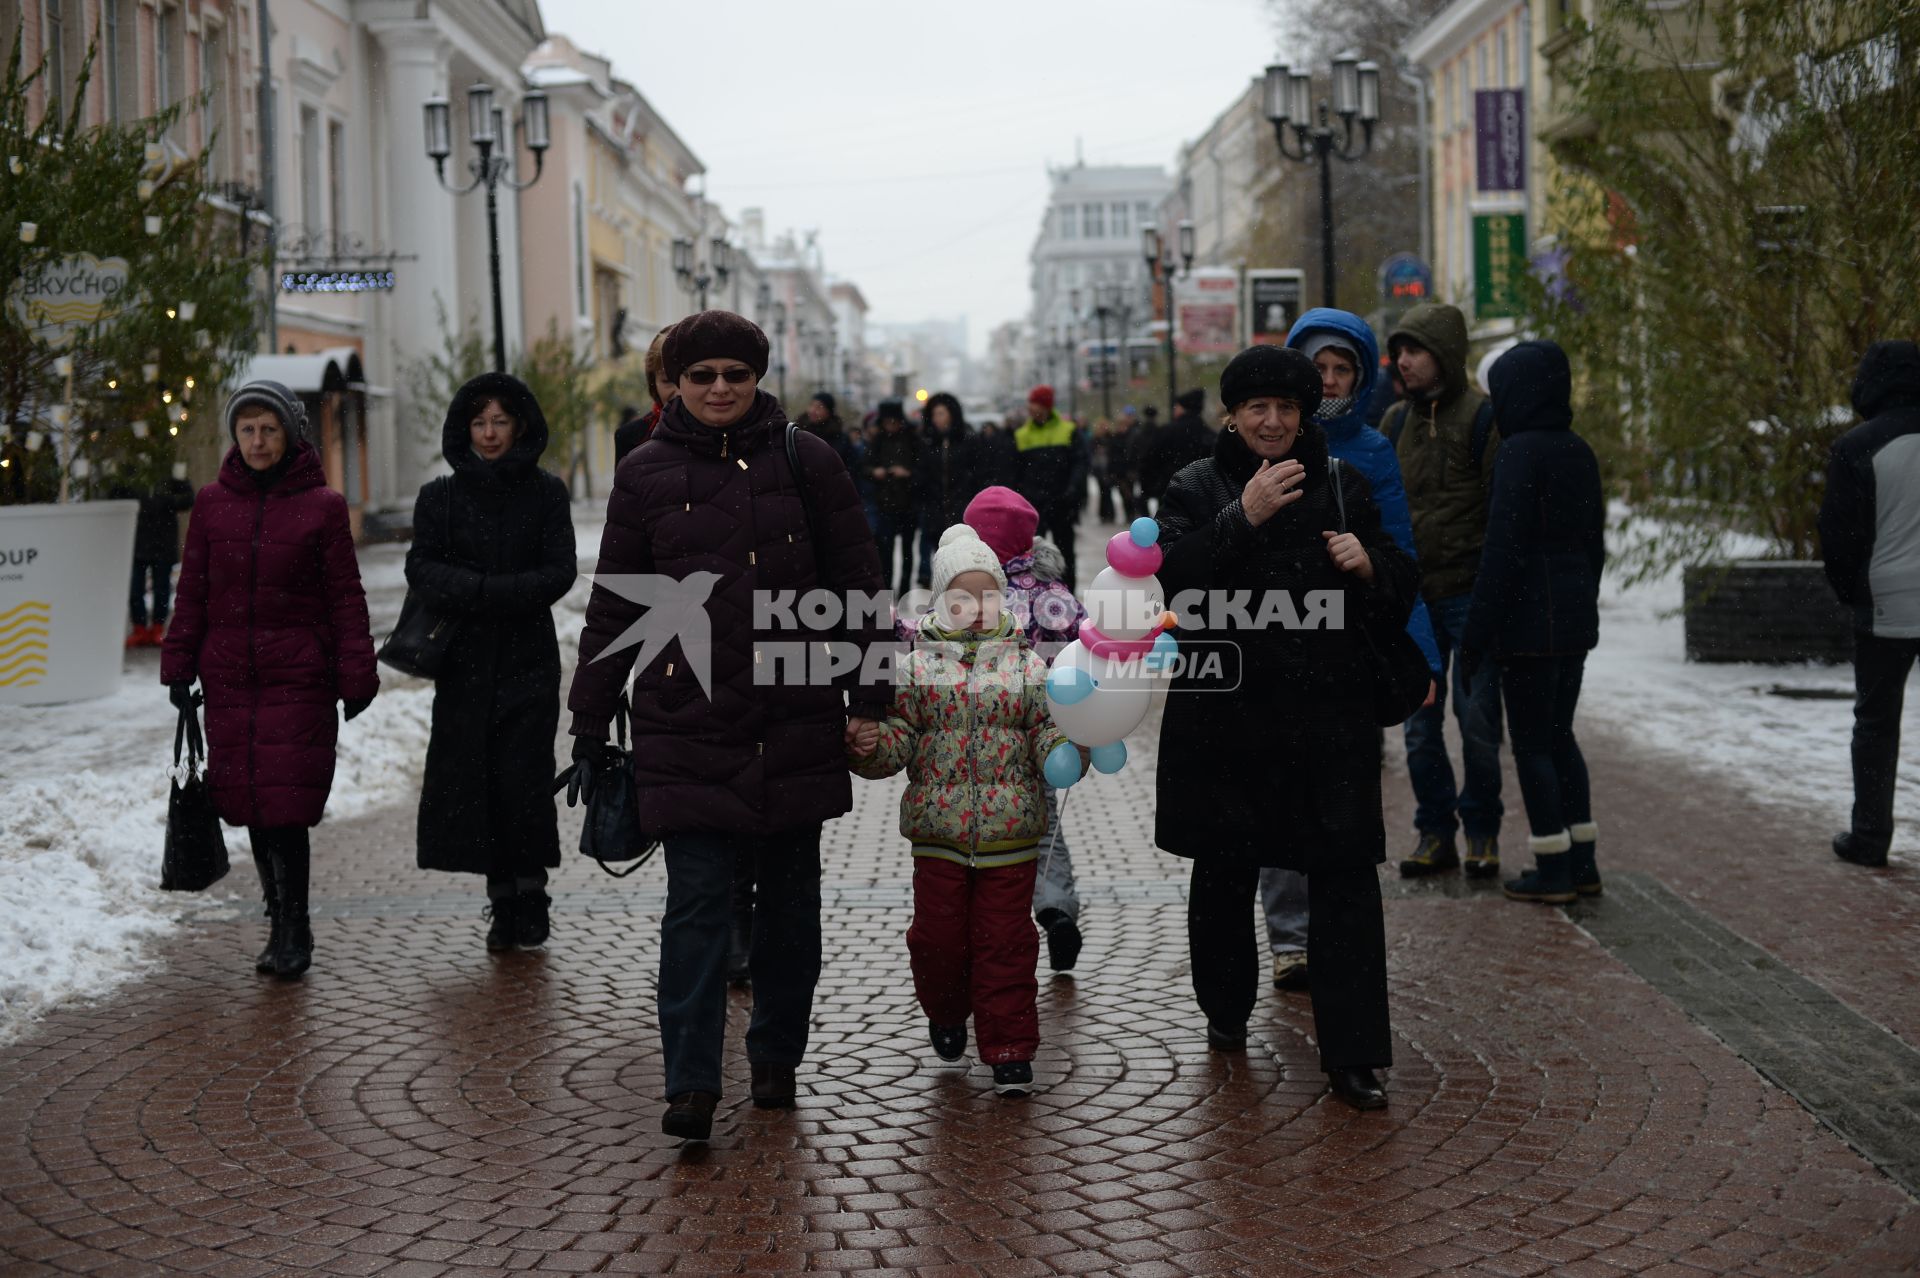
{"x":1396,"y":421}
{"x":806,"y":502}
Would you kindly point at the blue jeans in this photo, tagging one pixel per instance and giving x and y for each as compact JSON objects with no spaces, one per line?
{"x":1439,"y":807}
{"x":693,"y":951}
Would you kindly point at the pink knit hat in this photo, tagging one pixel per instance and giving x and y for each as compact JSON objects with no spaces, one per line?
{"x":1005,"y":520}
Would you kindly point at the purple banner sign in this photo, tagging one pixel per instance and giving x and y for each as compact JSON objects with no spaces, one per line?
{"x":1500,"y":139}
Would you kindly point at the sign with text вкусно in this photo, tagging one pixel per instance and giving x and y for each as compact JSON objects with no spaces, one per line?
{"x":1499,"y":261}
{"x":1500,"y":139}
{"x":1273,"y":304}
{"x":71,"y":294}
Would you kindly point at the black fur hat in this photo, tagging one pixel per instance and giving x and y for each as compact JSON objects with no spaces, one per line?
{"x":1277,"y":371}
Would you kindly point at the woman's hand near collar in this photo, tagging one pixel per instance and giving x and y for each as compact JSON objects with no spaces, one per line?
{"x":1273,"y":486}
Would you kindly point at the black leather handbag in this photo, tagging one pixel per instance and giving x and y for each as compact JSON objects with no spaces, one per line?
{"x":611,"y":832}
{"x":420,"y":638}
{"x":196,"y":853}
{"x":1400,"y":674}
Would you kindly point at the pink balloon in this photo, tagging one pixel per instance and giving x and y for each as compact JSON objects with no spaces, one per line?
{"x":1131,"y":560}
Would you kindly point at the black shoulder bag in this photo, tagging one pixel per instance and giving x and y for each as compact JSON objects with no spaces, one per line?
{"x":1398,"y":672}
{"x":418,"y":643}
{"x":611,"y":832}
{"x":196,"y":853}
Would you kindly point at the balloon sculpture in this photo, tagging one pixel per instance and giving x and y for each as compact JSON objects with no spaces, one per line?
{"x":1102,"y":683}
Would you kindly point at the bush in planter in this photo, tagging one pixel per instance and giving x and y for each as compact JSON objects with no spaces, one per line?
{"x":92,"y":189}
{"x":1726,"y":263}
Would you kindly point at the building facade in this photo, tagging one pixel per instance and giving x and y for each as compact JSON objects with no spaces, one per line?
{"x":1090,"y":239}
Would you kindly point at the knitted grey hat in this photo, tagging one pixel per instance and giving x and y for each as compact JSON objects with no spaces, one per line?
{"x":278,"y":400}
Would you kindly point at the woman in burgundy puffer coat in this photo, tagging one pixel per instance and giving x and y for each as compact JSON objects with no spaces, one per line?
{"x":272,"y":620}
{"x":732,"y":754}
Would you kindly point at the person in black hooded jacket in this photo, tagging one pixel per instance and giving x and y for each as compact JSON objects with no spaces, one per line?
{"x":1870,"y":537}
{"x":948,"y":476}
{"x":493,"y":549}
{"x":1535,"y":608}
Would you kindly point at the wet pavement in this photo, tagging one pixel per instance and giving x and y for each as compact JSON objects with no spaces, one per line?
{"x":1709,"y":1070}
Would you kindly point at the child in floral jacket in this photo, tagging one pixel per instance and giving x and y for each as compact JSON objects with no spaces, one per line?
{"x":970,"y":726}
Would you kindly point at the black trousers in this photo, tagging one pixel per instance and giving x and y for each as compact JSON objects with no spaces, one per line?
{"x":282,"y":854}
{"x":1346,"y":953}
{"x":1542,"y":694}
{"x":1880,"y":669}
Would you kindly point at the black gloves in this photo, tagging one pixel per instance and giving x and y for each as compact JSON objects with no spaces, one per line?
{"x":355,"y":706}
{"x":591,"y":751}
{"x":589,"y":755}
{"x":181,"y":694}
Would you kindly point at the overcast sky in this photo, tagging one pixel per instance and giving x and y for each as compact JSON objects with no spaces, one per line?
{"x":915,"y":136}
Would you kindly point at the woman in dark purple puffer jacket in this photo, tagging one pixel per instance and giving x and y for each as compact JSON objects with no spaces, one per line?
{"x":733,"y":756}
{"x":271,"y":619}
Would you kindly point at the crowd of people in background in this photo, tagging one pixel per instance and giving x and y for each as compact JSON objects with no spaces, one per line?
{"x":1464,"y":529}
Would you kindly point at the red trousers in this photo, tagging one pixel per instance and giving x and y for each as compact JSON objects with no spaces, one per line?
{"x":974,"y":947}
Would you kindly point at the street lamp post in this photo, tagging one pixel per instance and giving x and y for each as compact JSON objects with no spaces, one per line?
{"x":1107,"y":305}
{"x":1161,"y":270}
{"x":1288,"y":100}
{"x":780,"y":344}
{"x":487,"y":129}
{"x":1073,"y":340}
{"x":697,"y":276}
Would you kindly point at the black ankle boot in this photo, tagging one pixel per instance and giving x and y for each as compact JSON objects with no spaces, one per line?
{"x":530,"y":924}
{"x":263,"y":964}
{"x":295,"y":952}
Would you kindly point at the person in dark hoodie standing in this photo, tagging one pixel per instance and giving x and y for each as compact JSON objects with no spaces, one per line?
{"x":1535,"y":610}
{"x":272,"y":621}
{"x":706,"y":513}
{"x":493,"y":550}
{"x":891,"y":459}
{"x":948,"y":476}
{"x":156,"y":549}
{"x":1444,"y":437}
{"x":1870,"y":536}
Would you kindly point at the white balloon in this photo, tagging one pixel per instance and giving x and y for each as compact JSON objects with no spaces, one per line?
{"x":1116,"y":706}
{"x":1125,"y":607}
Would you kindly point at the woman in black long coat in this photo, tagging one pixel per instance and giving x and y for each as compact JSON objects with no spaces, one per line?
{"x":493,"y":548}
{"x":1278,"y":764}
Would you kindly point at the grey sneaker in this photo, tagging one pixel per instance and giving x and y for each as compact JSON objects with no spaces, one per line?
{"x":1290,"y":971}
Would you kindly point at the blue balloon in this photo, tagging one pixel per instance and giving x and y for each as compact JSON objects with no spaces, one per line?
{"x":1165,"y":650}
{"x":1110,"y":758}
{"x":1144,"y":531}
{"x":1069,"y":685}
{"x":1063,"y":766}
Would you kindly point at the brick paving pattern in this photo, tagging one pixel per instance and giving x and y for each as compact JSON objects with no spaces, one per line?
{"x":417,"y":1107}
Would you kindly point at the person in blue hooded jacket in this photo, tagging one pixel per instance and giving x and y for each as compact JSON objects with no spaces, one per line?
{"x":1535,"y":608}
{"x":1343,"y":348}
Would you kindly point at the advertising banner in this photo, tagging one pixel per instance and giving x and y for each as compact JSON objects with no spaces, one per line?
{"x":1499,"y":263}
{"x":1273,"y":304}
{"x":63,"y":600}
{"x":1206,"y":306}
{"x":1500,"y":139}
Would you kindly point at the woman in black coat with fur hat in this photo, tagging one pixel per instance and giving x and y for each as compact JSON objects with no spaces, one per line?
{"x":1278,"y":764}
{"x":493,"y":548}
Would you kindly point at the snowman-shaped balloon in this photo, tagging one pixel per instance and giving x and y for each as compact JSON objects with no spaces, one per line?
{"x":1102,"y":683}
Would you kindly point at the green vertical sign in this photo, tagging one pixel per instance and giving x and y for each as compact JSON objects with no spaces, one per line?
{"x":1499,"y":257}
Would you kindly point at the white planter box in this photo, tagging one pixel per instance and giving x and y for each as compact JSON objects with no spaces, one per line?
{"x":65,"y":573}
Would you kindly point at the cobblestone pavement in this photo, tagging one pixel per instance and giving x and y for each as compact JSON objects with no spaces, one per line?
{"x":1709,"y":1071}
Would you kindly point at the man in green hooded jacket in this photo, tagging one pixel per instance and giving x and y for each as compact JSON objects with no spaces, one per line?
{"x":1445,"y":438}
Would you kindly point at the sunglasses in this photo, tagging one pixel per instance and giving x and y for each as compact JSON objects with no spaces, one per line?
{"x":708,"y":376}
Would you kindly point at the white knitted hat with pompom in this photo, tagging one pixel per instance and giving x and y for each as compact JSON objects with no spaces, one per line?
{"x":962,"y":551}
